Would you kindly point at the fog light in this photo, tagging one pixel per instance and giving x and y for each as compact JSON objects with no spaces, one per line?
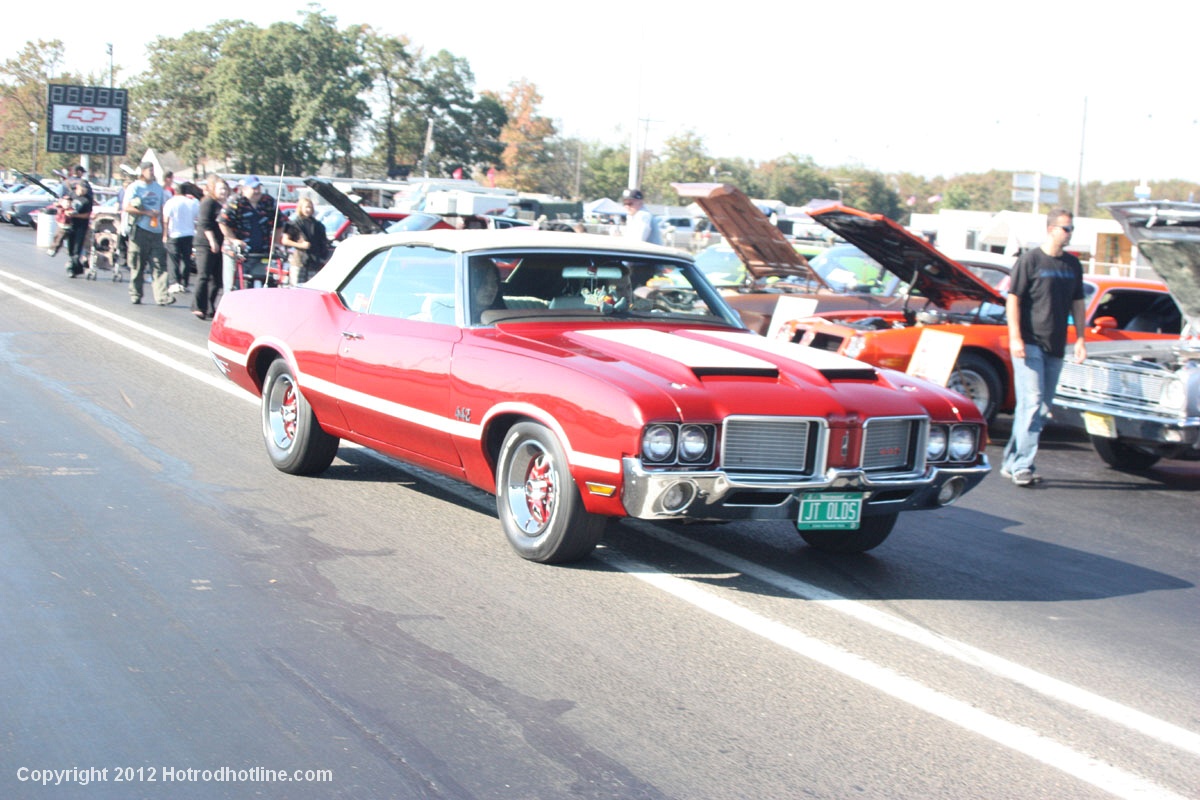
{"x":951,"y":490}
{"x":677,"y":497}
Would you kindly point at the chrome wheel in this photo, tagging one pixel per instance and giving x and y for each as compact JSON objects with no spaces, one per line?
{"x":532,"y":482}
{"x":296,"y":442}
{"x":282,"y":411}
{"x":537,"y":500}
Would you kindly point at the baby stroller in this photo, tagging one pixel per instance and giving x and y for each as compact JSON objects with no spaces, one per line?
{"x":259,"y":269}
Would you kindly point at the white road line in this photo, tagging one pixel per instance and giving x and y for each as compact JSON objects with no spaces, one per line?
{"x":1131,"y":718}
{"x":208,"y":377}
{"x":1089,"y":769}
{"x":1048,"y":751}
{"x":137,"y":326}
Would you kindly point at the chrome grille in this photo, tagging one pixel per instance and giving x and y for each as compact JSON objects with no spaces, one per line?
{"x":1136,"y":388}
{"x":888,"y":444}
{"x":767,"y":444}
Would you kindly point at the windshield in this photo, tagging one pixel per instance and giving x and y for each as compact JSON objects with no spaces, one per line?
{"x":331,"y":220}
{"x":844,"y":267}
{"x":417,"y":221}
{"x":847,"y":269}
{"x":546,"y":285}
{"x":721,"y":266}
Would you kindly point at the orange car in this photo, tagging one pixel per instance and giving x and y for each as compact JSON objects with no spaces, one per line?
{"x":948,"y":297}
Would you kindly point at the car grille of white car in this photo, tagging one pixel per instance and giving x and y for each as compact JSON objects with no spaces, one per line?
{"x":1129,"y":388}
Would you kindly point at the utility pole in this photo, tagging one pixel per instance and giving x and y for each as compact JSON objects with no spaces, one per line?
{"x":1079,"y":174}
{"x":109,"y":159}
{"x":428,"y":150}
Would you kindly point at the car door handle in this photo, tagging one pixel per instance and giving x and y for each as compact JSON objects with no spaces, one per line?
{"x":351,"y":335}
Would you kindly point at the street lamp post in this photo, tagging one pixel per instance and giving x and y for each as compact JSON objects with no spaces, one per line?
{"x":33,"y":129}
{"x":109,"y":159}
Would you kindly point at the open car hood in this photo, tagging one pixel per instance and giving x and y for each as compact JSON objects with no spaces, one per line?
{"x":913,"y":260}
{"x":338,"y":199}
{"x":761,"y":246}
{"x":33,"y":180}
{"x":1168,"y":233}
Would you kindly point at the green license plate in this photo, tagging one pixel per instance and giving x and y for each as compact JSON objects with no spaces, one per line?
{"x":830,"y":511}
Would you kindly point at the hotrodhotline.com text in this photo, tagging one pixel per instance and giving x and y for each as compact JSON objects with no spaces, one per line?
{"x":82,"y":776}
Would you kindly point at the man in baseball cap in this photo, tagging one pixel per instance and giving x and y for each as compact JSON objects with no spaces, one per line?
{"x":640,"y":224}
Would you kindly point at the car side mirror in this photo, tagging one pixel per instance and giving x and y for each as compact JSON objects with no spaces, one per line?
{"x":1104,"y":323}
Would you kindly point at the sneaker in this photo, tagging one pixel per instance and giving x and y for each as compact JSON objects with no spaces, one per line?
{"x":175,"y":288}
{"x":1024,"y":477}
{"x":137,"y":301}
{"x":167,"y":302}
{"x":1004,"y":473}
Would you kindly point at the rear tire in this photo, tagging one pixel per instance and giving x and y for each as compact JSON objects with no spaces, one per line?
{"x":870,"y":534}
{"x":296,"y":443}
{"x":1119,"y":455}
{"x":538,"y":502}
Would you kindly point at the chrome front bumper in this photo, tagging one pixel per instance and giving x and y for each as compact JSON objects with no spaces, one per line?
{"x":1152,"y":430}
{"x":714,"y":495}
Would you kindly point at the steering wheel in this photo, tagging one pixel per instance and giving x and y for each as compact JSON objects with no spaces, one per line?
{"x":675,"y":298}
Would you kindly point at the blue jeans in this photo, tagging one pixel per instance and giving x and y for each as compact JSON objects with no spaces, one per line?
{"x":1034,"y":380}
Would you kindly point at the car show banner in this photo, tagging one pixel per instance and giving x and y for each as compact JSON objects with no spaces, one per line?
{"x":86,"y":119}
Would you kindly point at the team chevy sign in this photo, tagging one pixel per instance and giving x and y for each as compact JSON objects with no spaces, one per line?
{"x":86,"y":119}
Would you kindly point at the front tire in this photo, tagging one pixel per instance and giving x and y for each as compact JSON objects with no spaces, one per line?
{"x":1124,"y":457}
{"x":296,"y":443}
{"x":538,"y":502}
{"x":870,"y":534}
{"x":974,"y":377}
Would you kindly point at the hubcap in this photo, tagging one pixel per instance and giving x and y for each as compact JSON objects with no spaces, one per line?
{"x":973,"y":386}
{"x":532,"y":487}
{"x":282,"y":412}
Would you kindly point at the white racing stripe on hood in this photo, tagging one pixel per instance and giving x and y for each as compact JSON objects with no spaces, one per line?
{"x":689,"y":352}
{"x":809,"y":356}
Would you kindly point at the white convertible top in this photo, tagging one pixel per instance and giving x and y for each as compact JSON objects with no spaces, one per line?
{"x":352,"y":251}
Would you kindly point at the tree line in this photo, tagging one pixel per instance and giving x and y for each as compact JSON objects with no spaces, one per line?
{"x":305,"y":96}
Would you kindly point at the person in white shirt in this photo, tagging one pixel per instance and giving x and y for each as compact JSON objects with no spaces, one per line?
{"x":179,"y":231}
{"x":640,"y":224}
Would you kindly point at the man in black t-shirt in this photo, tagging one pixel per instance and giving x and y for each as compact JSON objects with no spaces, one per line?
{"x":78,"y":216}
{"x":1046,"y":294}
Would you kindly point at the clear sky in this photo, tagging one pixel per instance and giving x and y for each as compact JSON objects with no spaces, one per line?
{"x":931,"y":88}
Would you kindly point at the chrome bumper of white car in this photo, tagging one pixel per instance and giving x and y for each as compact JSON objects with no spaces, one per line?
{"x":713,"y":495}
{"x":1174,"y":433}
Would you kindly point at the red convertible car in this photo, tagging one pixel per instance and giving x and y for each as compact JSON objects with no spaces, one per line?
{"x":580,"y":378}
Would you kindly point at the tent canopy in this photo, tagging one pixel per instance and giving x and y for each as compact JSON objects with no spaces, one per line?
{"x":603,"y":206}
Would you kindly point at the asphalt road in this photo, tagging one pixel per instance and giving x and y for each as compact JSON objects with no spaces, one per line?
{"x":181,"y":620}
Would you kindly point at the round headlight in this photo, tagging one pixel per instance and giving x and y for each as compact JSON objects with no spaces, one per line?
{"x":658,"y":443}
{"x":962,"y":443}
{"x":1173,"y":395}
{"x":693,"y":443}
{"x":935,"y":449}
{"x":854,"y":347}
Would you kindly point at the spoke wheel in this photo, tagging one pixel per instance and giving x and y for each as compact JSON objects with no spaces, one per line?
{"x":295,"y":441}
{"x":538,"y":502}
